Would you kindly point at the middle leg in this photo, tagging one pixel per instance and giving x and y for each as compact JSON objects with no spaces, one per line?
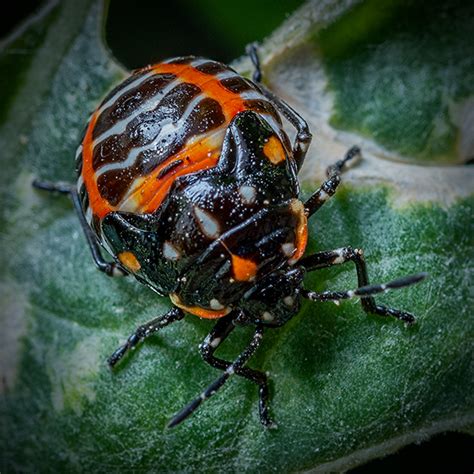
{"x":213,"y":340}
{"x":348,"y":254}
{"x":233,"y":368}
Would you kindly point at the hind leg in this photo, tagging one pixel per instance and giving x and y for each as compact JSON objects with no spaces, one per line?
{"x":348,"y":254}
{"x":229,"y":368}
{"x":109,"y":268}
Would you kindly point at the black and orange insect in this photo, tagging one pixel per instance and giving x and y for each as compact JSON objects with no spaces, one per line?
{"x":187,"y":178}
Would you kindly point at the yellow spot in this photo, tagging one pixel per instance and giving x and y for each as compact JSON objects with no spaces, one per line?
{"x":298,"y":210}
{"x":244,"y":269}
{"x":197,"y":310}
{"x":129,"y":261}
{"x":274,"y":151}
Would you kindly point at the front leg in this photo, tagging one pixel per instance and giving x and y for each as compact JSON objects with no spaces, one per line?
{"x":328,"y":188}
{"x":348,"y":254}
{"x":144,"y":331}
{"x":303,"y":135}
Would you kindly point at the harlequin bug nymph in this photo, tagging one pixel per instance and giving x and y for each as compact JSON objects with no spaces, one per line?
{"x":188,"y":179}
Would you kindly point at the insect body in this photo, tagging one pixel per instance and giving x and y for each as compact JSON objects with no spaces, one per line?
{"x":187,"y":178}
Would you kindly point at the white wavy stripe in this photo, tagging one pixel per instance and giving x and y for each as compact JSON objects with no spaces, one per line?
{"x":80,"y":182}
{"x":216,"y":136}
{"x":78,"y":151}
{"x":147,"y":106}
{"x":252,"y":95}
{"x":168,"y":127}
{"x":226,"y":75}
{"x":88,"y":216}
{"x":199,"y":62}
{"x":122,"y":91}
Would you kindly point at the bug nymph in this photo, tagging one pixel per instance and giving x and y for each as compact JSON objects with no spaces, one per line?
{"x":187,"y":178}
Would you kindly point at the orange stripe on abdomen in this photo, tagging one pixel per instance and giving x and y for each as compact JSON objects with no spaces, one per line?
{"x":201,"y":152}
{"x":99,"y":206}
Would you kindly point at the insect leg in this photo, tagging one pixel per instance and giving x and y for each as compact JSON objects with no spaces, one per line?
{"x":143,"y":331}
{"x":335,"y":257}
{"x":251,"y":51}
{"x":303,"y":135}
{"x":214,"y":339}
{"x":218,"y":383}
{"x":109,"y":268}
{"x":363,"y":291}
{"x":328,"y":188}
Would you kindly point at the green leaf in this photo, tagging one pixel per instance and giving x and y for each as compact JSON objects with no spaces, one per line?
{"x":346,"y":387}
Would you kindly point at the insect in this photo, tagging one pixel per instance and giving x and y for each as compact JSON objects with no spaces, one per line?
{"x":187,"y":178}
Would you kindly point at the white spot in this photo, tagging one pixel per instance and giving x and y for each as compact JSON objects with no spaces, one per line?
{"x":350,"y":294}
{"x":118,"y":272}
{"x":288,"y":300}
{"x":202,"y":396}
{"x":209,"y":226}
{"x":340,"y":257}
{"x":288,"y":249}
{"x":216,"y":304}
{"x":323,"y":195}
{"x":248,"y":194}
{"x":336,"y":302}
{"x":215,"y":342}
{"x":266,"y":202}
{"x":230,"y":370}
{"x":170,"y":252}
{"x":266,"y":316}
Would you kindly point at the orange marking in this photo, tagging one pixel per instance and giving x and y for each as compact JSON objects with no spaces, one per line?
{"x":197,"y":310}
{"x":151,"y":193}
{"x":210,"y":85}
{"x":97,"y":203}
{"x":129,"y":261}
{"x":244,"y":269}
{"x":204,"y":154}
{"x":274,"y":151}
{"x":301,"y":230}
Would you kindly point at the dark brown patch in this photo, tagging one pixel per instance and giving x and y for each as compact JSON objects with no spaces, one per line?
{"x":212,"y":68}
{"x":96,"y":225}
{"x":182,"y":60}
{"x":78,"y":164}
{"x":127,"y":103}
{"x":169,"y":168}
{"x":114,"y":184}
{"x":144,"y":128}
{"x":206,"y":116}
{"x":263,"y":106}
{"x":237,"y":84}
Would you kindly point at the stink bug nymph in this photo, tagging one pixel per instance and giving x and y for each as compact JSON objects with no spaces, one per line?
{"x":187,"y":178}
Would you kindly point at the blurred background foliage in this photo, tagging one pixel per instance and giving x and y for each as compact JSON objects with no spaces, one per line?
{"x":148,"y":30}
